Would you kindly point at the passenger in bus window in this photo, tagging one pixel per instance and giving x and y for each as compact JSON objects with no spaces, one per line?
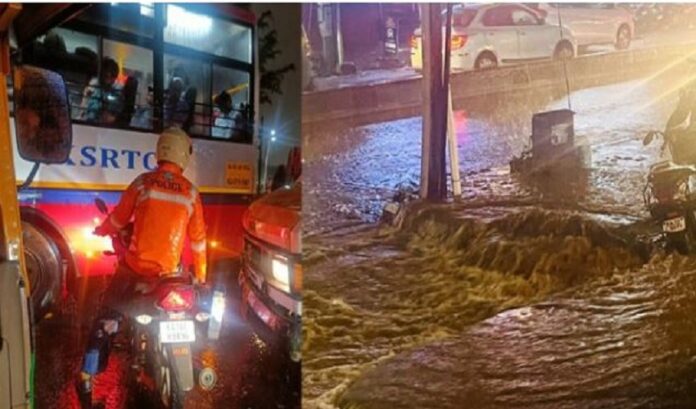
{"x":180,"y":100}
{"x":175,"y":106}
{"x":225,"y":116}
{"x":101,"y":99}
{"x":143,"y":113}
{"x":128,"y":94}
{"x":243,"y":124}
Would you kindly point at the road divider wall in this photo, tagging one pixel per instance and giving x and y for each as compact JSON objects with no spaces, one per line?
{"x":364,"y":104}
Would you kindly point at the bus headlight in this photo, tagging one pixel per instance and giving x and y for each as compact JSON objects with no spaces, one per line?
{"x":281,"y":271}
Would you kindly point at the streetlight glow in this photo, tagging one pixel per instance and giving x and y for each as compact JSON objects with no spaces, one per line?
{"x":269,"y":144}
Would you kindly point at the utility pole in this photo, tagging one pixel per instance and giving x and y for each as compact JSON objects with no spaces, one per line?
{"x":435,"y":84}
{"x":339,"y":37}
{"x":451,"y":130}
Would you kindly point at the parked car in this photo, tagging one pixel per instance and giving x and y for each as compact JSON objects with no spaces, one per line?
{"x":592,"y":23}
{"x":486,"y":36}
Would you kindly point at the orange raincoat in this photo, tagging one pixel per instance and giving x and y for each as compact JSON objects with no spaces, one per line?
{"x":166,"y":208}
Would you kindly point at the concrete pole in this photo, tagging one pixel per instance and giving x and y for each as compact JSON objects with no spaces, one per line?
{"x":433,"y":163}
{"x":451,"y":130}
{"x":452,"y":145}
{"x":339,"y":38}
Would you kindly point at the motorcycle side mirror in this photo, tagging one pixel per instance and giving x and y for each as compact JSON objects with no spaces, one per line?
{"x":648,"y":138}
{"x":101,"y":206}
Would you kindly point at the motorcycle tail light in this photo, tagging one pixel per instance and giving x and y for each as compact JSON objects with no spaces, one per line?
{"x":144,"y":319}
{"x":178,"y":299}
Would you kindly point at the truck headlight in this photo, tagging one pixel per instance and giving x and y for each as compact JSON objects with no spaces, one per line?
{"x":281,"y":271}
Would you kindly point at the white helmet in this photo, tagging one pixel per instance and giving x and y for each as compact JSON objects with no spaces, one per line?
{"x":174,"y":146}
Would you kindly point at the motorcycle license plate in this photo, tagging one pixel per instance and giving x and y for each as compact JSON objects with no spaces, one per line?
{"x":177,"y":331}
{"x":674,"y":225}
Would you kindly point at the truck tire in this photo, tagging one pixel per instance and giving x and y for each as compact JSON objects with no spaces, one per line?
{"x":44,"y":268}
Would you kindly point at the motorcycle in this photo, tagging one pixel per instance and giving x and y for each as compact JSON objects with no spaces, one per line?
{"x":670,"y":195}
{"x":169,"y":316}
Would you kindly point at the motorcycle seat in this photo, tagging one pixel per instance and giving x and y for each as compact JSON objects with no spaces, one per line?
{"x":146,"y":287}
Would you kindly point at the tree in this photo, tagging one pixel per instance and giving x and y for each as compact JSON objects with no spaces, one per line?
{"x":271,"y":78}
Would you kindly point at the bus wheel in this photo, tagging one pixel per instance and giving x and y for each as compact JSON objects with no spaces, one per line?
{"x":44,"y":269}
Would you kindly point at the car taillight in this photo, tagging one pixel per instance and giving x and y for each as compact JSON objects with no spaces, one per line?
{"x":179,"y":299}
{"x":458,"y":41}
{"x":414,"y":41}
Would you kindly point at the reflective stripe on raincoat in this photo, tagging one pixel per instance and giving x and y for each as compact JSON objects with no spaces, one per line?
{"x":166,"y":207}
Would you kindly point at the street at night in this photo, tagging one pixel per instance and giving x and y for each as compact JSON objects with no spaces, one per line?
{"x":542,"y":292}
{"x":150,"y":253}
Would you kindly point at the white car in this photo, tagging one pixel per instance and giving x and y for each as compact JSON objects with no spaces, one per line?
{"x":489,"y":35}
{"x":592,"y":23}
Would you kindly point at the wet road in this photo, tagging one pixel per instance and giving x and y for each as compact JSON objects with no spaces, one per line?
{"x":627,"y":340}
{"x":353,"y":172}
{"x":397,"y":310}
{"x":252,"y":373}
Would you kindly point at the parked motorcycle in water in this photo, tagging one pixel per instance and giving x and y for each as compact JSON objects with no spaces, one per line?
{"x":169,"y":316}
{"x":670,"y":194}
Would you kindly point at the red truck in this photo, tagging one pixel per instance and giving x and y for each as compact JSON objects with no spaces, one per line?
{"x":271,"y":272}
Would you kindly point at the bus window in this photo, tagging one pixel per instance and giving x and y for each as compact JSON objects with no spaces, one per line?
{"x":134,"y":18}
{"x":207,"y":34}
{"x":187,"y":95}
{"x":134,"y":83}
{"x":231,"y":113}
{"x":71,"y":53}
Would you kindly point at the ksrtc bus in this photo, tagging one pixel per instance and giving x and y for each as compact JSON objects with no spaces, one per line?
{"x":133,"y":69}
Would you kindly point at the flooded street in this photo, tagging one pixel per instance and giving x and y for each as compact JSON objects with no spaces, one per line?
{"x":626,"y":341}
{"x":592,"y":313}
{"x":252,"y":372}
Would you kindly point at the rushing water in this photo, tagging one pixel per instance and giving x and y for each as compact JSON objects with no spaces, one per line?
{"x":579,"y":291}
{"x":626,"y":340}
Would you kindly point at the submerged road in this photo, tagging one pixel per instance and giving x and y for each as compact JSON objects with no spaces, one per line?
{"x":525,"y":293}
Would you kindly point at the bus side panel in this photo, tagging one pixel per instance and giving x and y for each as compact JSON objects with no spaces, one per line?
{"x":75,"y":212}
{"x":110,"y":159}
{"x":225,"y":232}
{"x":102,"y":164}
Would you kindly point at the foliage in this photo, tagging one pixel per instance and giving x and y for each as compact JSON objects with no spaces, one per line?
{"x":271,"y":78}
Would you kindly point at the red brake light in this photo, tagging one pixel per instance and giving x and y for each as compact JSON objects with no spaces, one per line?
{"x":177,"y":300}
{"x":458,"y":41}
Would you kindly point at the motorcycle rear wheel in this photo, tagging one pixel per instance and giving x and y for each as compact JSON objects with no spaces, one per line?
{"x":169,"y":393}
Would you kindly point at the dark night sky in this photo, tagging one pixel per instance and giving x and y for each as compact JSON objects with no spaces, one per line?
{"x":284,"y":113}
